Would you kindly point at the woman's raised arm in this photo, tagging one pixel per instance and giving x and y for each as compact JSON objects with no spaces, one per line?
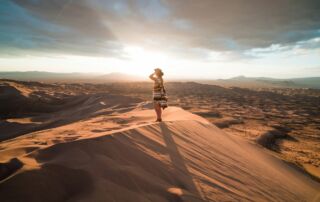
{"x":152,"y":76}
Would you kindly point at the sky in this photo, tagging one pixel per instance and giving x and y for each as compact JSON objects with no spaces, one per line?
{"x":186,"y":38}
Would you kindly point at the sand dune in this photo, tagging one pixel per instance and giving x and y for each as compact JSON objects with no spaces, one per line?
{"x":36,"y":109}
{"x":119,"y":154}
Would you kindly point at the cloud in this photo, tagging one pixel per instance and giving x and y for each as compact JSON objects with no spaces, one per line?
{"x":246,"y":24}
{"x":105,"y":27}
{"x":40,"y":26}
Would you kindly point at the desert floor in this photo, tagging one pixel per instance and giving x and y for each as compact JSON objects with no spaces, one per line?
{"x":99,"y":142}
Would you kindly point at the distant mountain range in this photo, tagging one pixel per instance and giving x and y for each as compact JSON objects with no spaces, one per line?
{"x":265,"y":82}
{"x":239,"y":81}
{"x":69,"y":77}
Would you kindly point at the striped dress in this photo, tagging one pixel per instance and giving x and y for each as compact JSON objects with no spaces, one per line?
{"x":159,"y":95}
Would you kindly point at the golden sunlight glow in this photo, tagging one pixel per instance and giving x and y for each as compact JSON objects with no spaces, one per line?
{"x":144,"y":61}
{"x":137,"y":60}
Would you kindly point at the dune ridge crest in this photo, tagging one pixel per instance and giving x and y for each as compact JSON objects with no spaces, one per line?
{"x":128,"y":157}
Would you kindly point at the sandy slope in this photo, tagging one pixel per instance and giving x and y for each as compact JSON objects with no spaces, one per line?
{"x":124,"y":156}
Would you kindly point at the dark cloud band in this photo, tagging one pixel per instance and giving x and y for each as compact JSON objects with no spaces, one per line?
{"x":105,"y":26}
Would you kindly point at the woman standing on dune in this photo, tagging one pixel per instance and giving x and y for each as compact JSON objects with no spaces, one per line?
{"x":159,"y":93}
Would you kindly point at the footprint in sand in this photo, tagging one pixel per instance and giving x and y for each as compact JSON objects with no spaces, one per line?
{"x":71,"y":138}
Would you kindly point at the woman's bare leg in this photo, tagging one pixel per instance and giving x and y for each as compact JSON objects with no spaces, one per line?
{"x":157,"y":108}
{"x":160,"y":113}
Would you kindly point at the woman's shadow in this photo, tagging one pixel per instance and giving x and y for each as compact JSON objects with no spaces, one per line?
{"x":183,"y":177}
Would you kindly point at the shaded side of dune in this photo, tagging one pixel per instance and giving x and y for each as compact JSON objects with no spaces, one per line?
{"x":51,"y":182}
{"x":10,"y":167}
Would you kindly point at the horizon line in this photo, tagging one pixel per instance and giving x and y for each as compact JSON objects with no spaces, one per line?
{"x":169,"y":78}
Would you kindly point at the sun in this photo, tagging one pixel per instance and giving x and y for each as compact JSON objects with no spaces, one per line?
{"x":143,"y":61}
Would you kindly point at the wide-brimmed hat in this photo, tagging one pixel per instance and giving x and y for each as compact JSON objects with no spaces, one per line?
{"x":158,"y":69}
